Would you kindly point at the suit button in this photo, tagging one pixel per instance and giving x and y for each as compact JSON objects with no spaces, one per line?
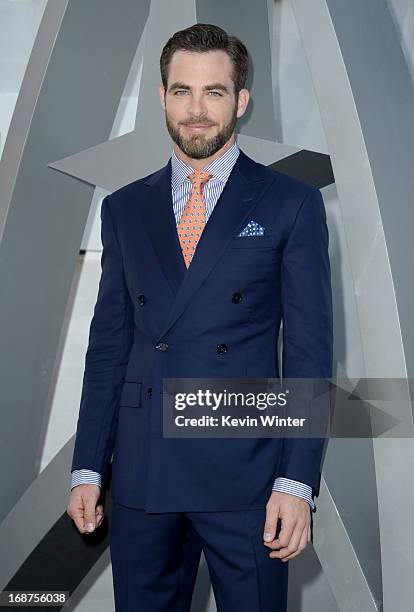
{"x":149,"y":391}
{"x":161,"y":346}
{"x":236,"y":298}
{"x":142,"y":299}
{"x":222,"y":348}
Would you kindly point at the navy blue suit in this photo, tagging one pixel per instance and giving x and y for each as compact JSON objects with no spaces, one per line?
{"x":155,"y":319}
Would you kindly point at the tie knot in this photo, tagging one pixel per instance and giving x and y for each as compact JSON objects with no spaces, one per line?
{"x":199,"y":179}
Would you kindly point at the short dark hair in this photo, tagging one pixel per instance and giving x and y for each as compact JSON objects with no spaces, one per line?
{"x":204,"y":37}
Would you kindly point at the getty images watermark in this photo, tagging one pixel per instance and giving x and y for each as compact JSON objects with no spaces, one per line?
{"x":229,"y":399}
{"x":294,"y":407}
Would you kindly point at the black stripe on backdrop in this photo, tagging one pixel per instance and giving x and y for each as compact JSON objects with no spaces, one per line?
{"x":62,"y":558}
{"x":308,"y":166}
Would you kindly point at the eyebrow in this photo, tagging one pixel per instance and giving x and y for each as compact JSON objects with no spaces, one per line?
{"x":179,"y":85}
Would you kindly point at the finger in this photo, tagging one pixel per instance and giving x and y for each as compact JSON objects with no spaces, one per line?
{"x":99,"y":515}
{"x":285,"y":534}
{"x":89,"y":514}
{"x":77,"y":515}
{"x":293,"y":543}
{"x":269,"y":529}
{"x":301,"y":547}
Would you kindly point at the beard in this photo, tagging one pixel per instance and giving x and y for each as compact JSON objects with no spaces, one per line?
{"x":198,"y":146}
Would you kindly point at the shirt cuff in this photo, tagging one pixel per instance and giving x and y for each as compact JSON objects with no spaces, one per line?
{"x":85,"y":477}
{"x":294,"y":487}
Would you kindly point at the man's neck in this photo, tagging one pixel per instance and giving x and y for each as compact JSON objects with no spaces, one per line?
{"x":199,"y":164}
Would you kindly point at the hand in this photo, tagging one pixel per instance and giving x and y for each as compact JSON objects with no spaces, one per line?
{"x":82,"y":507}
{"x":296,"y":530}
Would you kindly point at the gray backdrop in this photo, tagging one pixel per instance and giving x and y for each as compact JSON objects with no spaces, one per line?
{"x":345,"y":92}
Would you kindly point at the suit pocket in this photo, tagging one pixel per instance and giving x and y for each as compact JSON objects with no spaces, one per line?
{"x":131,"y":394}
{"x":246,"y":242}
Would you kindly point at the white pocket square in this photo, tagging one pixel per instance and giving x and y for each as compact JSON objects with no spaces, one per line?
{"x":252,"y":229}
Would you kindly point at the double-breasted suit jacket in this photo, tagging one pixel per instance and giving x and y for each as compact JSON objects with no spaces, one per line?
{"x":154,"y":319}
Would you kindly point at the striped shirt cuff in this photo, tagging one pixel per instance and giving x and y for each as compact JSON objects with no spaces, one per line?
{"x":300,"y":489}
{"x":85,"y":477}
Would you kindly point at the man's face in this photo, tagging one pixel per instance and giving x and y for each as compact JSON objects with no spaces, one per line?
{"x":200,"y":106}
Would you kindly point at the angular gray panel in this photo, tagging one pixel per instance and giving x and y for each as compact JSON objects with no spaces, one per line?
{"x":82,"y":52}
{"x":366,"y":99}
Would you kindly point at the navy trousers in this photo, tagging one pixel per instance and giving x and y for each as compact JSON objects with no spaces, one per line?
{"x":155,"y":560}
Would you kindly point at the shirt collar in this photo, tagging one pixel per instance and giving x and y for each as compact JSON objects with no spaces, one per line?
{"x":220,"y":167}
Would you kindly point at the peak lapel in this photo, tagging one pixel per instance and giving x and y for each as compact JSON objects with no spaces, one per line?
{"x":158,"y":216}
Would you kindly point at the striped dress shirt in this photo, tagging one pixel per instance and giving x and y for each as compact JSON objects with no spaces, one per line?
{"x":220,"y":168}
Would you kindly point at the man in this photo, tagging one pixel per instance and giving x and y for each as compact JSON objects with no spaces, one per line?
{"x":205,"y":299}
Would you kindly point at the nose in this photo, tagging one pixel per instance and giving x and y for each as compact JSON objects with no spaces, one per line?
{"x":197,"y":107}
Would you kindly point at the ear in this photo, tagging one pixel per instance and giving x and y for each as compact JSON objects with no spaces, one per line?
{"x":242,"y":102}
{"x":161,"y":92}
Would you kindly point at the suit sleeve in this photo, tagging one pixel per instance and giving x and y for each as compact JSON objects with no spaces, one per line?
{"x":307,"y":324}
{"x":109,"y":346}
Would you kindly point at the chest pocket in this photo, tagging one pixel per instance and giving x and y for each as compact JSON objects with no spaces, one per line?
{"x":253,"y":242}
{"x":253,"y":255}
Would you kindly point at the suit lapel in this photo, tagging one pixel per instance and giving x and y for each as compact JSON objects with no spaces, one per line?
{"x":245,"y":185}
{"x":159,"y":218}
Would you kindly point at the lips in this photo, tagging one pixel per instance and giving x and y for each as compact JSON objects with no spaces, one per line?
{"x":198,"y":126}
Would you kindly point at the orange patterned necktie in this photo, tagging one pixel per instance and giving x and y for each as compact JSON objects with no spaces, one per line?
{"x":193,"y":218}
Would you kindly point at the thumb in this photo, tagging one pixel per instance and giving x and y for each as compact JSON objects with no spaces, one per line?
{"x":269,"y":531}
{"x":89,"y":515}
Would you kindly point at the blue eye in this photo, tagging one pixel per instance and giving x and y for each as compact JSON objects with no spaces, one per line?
{"x":215,"y":93}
